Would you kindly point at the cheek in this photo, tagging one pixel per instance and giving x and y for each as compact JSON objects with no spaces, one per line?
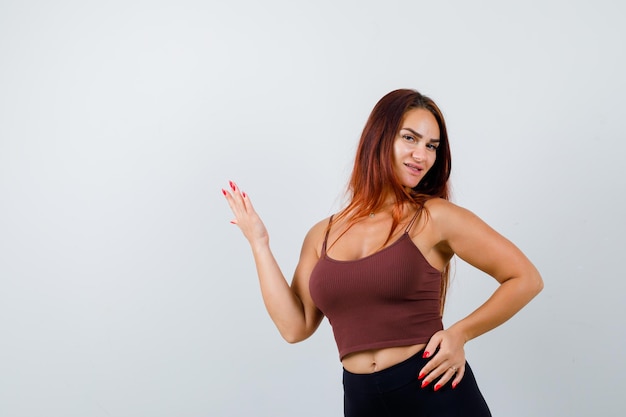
{"x":397,"y":153}
{"x":434,"y":159}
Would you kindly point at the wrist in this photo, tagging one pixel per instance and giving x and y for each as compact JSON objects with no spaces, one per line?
{"x":259,"y":246}
{"x":459,"y":330}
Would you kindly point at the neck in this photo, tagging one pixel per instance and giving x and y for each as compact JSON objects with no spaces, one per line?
{"x":385,"y":206}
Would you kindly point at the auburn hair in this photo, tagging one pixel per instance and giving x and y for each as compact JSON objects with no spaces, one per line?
{"x":373,"y":176}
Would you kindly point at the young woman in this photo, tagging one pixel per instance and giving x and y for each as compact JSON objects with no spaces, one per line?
{"x":378,"y":270}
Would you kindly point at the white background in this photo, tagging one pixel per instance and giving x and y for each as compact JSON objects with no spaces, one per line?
{"x":124,"y":289}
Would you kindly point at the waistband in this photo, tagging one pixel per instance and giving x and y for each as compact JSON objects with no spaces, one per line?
{"x":387,"y":379}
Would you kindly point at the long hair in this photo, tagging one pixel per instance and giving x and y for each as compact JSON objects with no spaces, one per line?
{"x":373,"y":176}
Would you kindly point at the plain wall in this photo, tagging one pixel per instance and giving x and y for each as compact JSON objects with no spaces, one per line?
{"x":124,"y":289}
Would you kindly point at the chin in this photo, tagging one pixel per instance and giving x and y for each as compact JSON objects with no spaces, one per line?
{"x":412,"y":184}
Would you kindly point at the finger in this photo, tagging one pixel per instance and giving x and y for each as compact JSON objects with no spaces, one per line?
{"x":446,"y":376}
{"x":234,"y":191}
{"x":230,"y":200}
{"x":231,"y":190}
{"x":432,"y":345}
{"x":240,"y":204}
{"x":242,"y":198}
{"x":458,"y":377}
{"x":432,"y":374}
{"x":430,"y":348}
{"x":247,"y":203}
{"x":234,"y":200}
{"x":439,"y":366}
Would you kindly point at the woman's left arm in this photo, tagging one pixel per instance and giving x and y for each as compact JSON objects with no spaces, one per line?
{"x":461,"y":232}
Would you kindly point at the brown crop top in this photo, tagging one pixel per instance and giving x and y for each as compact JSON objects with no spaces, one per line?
{"x":387,"y":299}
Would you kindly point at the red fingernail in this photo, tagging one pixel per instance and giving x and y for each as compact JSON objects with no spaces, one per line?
{"x":426,"y":354}
{"x":224,"y":191}
{"x":437,"y":387}
{"x":422,"y":375}
{"x":454,"y":384}
{"x":244,"y":194}
{"x":425,"y":383}
{"x":232,"y":185}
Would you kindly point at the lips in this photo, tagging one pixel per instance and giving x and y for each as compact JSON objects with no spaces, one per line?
{"x":417,"y":169}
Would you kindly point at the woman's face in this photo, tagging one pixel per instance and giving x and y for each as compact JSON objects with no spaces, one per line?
{"x":415,"y":147}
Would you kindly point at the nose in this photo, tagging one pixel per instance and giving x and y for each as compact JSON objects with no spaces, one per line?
{"x":418,"y":153}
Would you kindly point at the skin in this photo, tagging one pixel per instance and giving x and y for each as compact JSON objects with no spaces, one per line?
{"x":449,"y":230}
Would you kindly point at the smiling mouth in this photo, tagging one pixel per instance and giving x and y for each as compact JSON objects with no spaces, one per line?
{"x":414,"y":168}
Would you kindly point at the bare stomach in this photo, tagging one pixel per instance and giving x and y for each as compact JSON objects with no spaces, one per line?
{"x":369,"y":361}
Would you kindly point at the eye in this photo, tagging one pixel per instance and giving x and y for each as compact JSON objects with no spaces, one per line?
{"x":432,"y":146}
{"x":408,"y":138}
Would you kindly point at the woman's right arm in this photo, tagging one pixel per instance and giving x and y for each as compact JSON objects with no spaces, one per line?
{"x":290,"y":306}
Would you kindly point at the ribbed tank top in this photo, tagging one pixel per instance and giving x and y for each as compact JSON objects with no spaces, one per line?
{"x":387,"y":299}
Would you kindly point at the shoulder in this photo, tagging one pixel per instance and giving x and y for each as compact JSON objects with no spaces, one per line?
{"x":460,"y":231}
{"x":444,"y":210}
{"x":447,"y":217}
{"x":315,"y":236}
{"x":319,"y":227}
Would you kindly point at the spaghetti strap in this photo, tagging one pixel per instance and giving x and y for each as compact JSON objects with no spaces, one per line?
{"x":412,"y":221}
{"x":330,"y":220}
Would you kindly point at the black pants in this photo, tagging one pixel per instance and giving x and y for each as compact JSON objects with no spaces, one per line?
{"x":396,"y":392}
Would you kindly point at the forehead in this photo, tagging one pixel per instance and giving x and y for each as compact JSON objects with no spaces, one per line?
{"x":422,"y":121}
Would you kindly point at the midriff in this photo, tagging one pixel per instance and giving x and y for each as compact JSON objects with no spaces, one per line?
{"x":374,"y":360}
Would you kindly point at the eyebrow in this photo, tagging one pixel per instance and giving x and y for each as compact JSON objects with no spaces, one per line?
{"x":419,"y":135}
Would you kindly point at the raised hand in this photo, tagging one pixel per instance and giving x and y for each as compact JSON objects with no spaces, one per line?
{"x":246,"y":218}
